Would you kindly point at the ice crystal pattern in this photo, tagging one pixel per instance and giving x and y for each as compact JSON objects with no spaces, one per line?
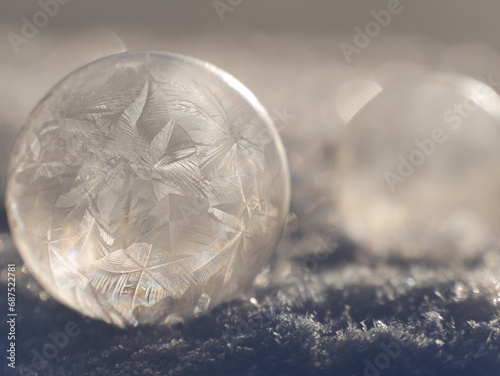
{"x":147,"y":188}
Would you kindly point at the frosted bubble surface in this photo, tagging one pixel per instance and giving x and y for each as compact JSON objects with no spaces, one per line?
{"x":144,"y":184}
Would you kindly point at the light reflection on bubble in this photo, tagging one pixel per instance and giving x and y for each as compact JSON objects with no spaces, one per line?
{"x":353,"y":96}
{"x":292,"y":223}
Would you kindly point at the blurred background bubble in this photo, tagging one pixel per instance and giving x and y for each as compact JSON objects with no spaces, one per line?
{"x":419,"y":169}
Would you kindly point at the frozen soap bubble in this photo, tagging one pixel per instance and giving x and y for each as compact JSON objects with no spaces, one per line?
{"x":146,"y":188}
{"x":418,"y":169}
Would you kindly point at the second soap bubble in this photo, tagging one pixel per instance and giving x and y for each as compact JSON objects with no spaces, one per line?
{"x":419,"y":169}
